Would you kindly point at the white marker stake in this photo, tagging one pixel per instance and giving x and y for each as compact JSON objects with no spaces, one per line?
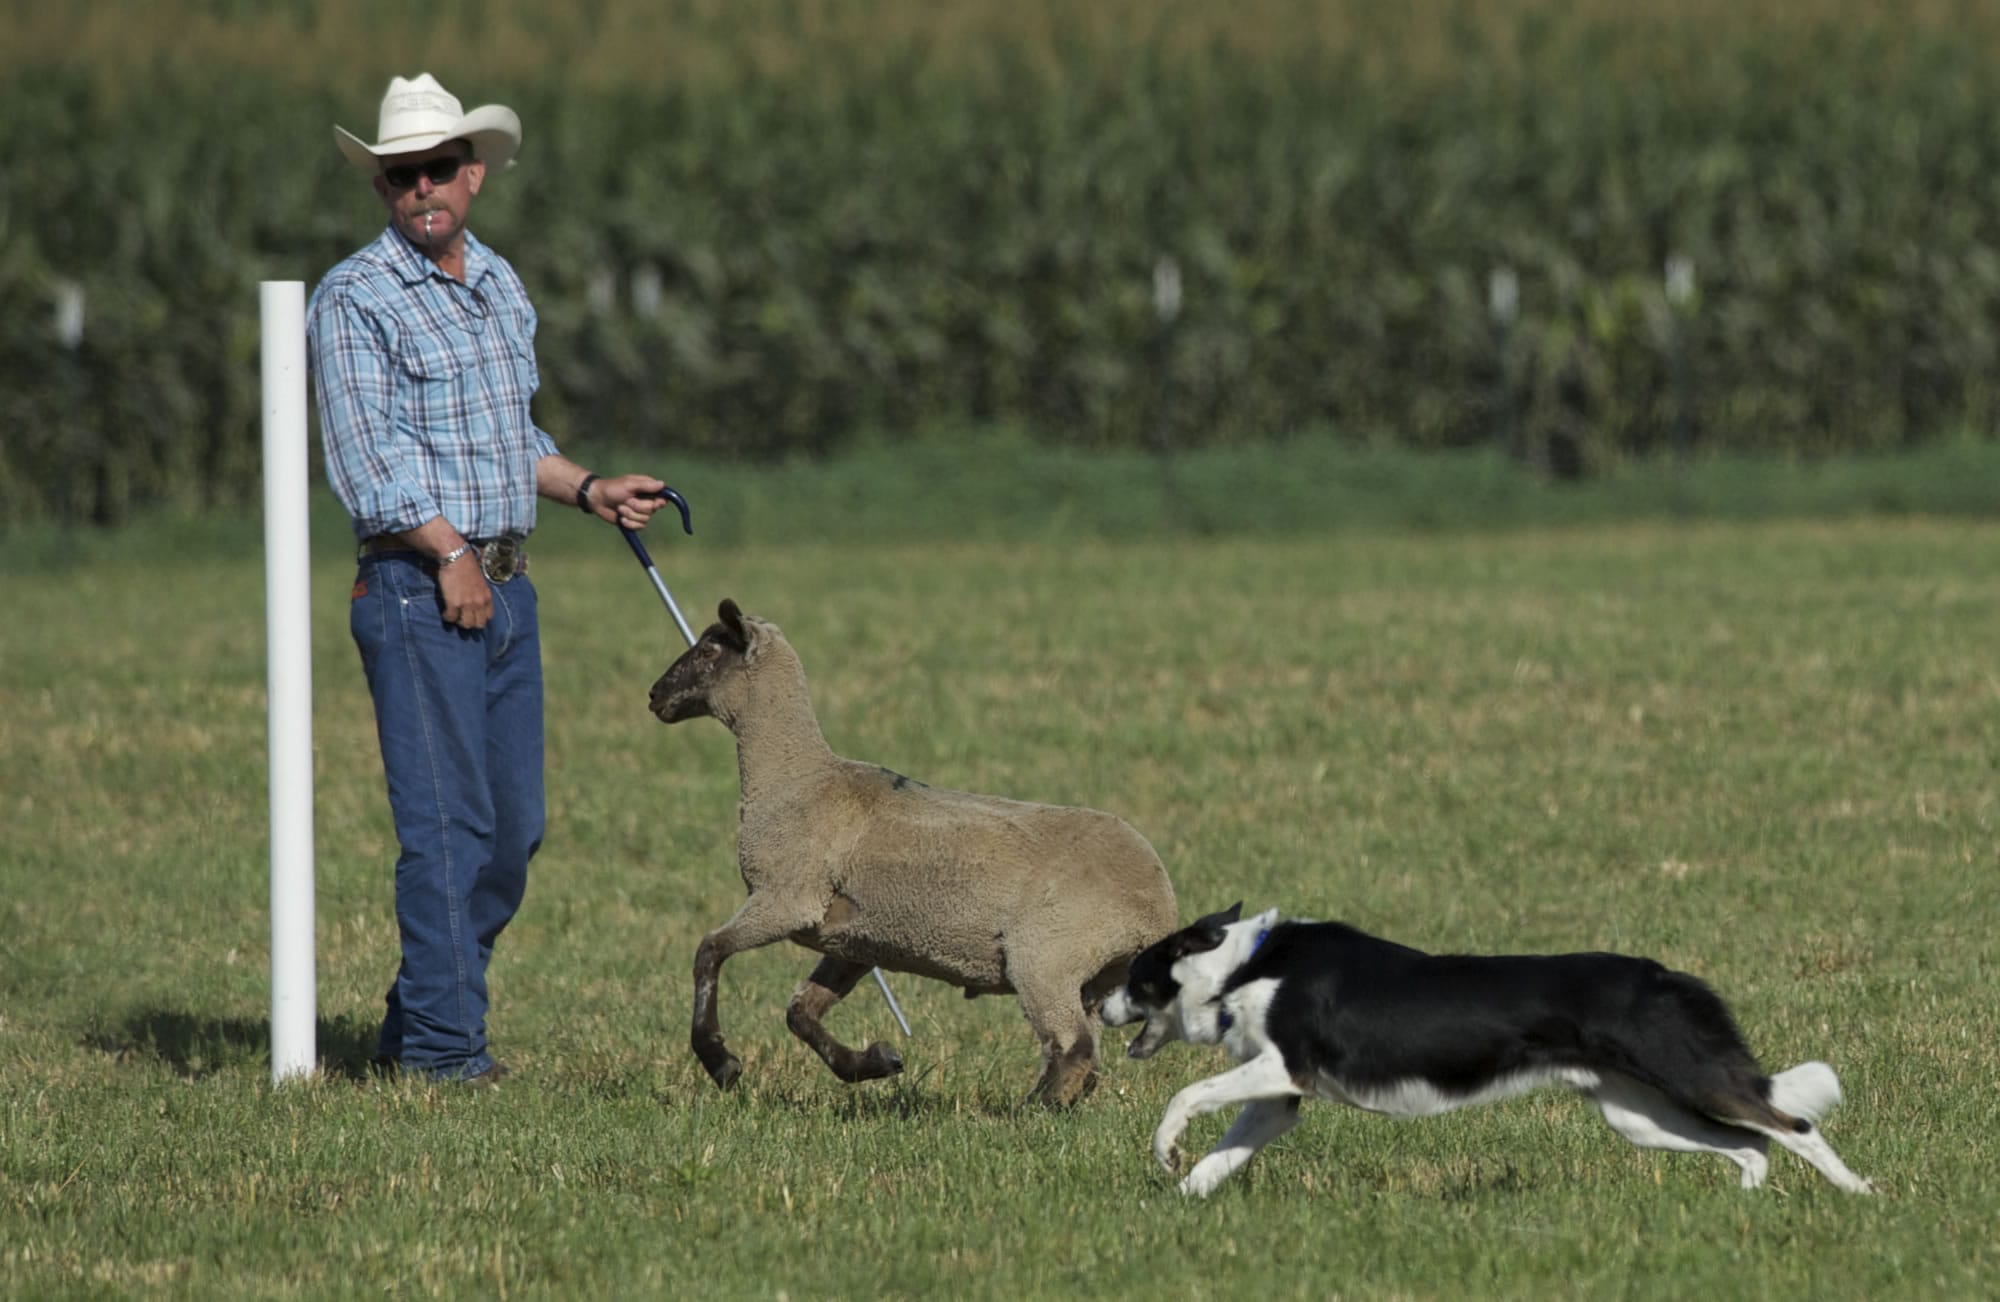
{"x":288,"y":674}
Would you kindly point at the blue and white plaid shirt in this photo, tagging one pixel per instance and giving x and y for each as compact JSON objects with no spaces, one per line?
{"x":423,"y":385}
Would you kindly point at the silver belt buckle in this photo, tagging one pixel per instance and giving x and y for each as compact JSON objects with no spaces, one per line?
{"x":502,"y":559}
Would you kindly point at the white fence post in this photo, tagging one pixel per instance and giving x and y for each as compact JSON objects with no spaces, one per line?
{"x":288,"y":671}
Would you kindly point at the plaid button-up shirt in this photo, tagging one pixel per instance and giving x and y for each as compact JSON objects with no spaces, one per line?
{"x":423,"y":385}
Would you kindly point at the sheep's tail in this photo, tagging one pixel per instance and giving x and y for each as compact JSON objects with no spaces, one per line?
{"x":1809,"y":1090}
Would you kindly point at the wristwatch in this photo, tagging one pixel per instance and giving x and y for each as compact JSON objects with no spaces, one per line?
{"x":463,"y":549}
{"x":583,"y":495}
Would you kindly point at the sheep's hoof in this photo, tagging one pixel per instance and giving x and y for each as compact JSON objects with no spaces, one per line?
{"x":880,"y":1060}
{"x":722,"y":1066}
{"x":1066,"y":1082}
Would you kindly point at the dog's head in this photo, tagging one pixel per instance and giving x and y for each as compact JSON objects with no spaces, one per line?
{"x":1175,"y":981}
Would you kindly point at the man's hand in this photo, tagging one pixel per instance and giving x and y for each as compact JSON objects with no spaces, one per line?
{"x":467,"y":597}
{"x":621,"y":500}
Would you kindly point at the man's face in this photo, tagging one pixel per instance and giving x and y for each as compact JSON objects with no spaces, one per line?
{"x":430,"y":213}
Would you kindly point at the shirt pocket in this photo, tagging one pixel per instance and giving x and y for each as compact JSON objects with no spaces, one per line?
{"x":435,"y":372}
{"x":434,"y":357}
{"x":521,"y":346}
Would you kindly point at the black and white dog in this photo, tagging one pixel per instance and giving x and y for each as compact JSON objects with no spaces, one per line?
{"x":1321,"y":1010}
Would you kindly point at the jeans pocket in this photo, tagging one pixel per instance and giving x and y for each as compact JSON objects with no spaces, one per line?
{"x":365,"y":617}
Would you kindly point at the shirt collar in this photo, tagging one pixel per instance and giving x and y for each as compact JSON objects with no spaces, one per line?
{"x":413,"y":267}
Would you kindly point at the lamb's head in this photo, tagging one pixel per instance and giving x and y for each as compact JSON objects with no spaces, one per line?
{"x":711,"y":677}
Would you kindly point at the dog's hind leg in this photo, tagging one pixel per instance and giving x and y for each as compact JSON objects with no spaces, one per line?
{"x":1798,"y":1098}
{"x":1809,"y":1145}
{"x":1258,"y":1124}
{"x":1262,"y":1078}
{"x":1648,"y":1118}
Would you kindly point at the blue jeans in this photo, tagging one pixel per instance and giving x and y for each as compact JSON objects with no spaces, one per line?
{"x":459,"y":716}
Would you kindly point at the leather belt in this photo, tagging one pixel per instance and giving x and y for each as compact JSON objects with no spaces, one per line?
{"x":501,"y":558}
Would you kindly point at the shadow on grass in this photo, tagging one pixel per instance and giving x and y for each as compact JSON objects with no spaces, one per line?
{"x":898,"y":1099}
{"x":195,"y":1046}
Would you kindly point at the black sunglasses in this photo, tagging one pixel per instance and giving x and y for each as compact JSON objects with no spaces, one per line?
{"x":441,"y":171}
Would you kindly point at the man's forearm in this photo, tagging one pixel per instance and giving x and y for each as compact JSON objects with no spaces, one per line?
{"x":559,"y":479}
{"x":435,"y":538}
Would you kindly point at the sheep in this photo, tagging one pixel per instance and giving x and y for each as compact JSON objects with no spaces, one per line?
{"x":872,"y":869}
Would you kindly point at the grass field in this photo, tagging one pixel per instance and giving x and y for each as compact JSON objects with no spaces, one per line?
{"x":1761,"y":750}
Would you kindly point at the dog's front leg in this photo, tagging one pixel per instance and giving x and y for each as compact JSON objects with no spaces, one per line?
{"x":1258,"y":1124}
{"x":1263,"y":1077}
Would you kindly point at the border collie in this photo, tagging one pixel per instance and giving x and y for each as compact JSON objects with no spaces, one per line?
{"x":1321,"y":1010}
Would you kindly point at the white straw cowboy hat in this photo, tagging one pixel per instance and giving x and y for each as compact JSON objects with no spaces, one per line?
{"x":418,"y":114}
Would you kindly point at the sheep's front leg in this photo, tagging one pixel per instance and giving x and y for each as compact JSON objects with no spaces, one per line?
{"x":758,"y":922}
{"x":827,"y":986}
{"x":1067,"y":1032}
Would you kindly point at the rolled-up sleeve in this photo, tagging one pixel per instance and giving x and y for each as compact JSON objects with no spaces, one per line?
{"x":351,"y":356}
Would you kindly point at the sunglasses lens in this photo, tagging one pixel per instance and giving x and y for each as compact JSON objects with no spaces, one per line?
{"x":441,"y":171}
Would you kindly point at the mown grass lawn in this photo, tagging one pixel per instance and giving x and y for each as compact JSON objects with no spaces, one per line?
{"x":1762,"y":751}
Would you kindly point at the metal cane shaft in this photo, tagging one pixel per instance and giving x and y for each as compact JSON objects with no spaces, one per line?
{"x":894,"y":1007}
{"x":680,"y":622}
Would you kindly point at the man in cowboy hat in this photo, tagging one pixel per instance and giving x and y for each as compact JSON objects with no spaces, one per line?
{"x":422,"y":357}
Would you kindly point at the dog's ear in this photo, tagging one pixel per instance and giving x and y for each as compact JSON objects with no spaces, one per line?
{"x":1205,"y":933}
{"x":1219,"y":919}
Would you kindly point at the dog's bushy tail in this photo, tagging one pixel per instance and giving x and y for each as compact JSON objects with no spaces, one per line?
{"x":1809,"y":1090}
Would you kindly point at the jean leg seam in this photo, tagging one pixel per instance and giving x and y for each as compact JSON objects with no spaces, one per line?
{"x":452,"y":909}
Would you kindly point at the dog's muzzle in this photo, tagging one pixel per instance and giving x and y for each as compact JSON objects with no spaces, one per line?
{"x":1118,"y":1009}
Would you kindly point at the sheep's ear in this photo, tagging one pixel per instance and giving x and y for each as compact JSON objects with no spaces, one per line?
{"x":732,"y":620}
{"x":729,"y":629}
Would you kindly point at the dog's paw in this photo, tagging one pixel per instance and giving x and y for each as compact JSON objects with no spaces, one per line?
{"x":1170,"y":1157}
{"x":1199,"y":1183}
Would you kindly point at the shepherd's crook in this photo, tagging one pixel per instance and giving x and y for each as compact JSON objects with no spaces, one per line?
{"x":660,"y":585}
